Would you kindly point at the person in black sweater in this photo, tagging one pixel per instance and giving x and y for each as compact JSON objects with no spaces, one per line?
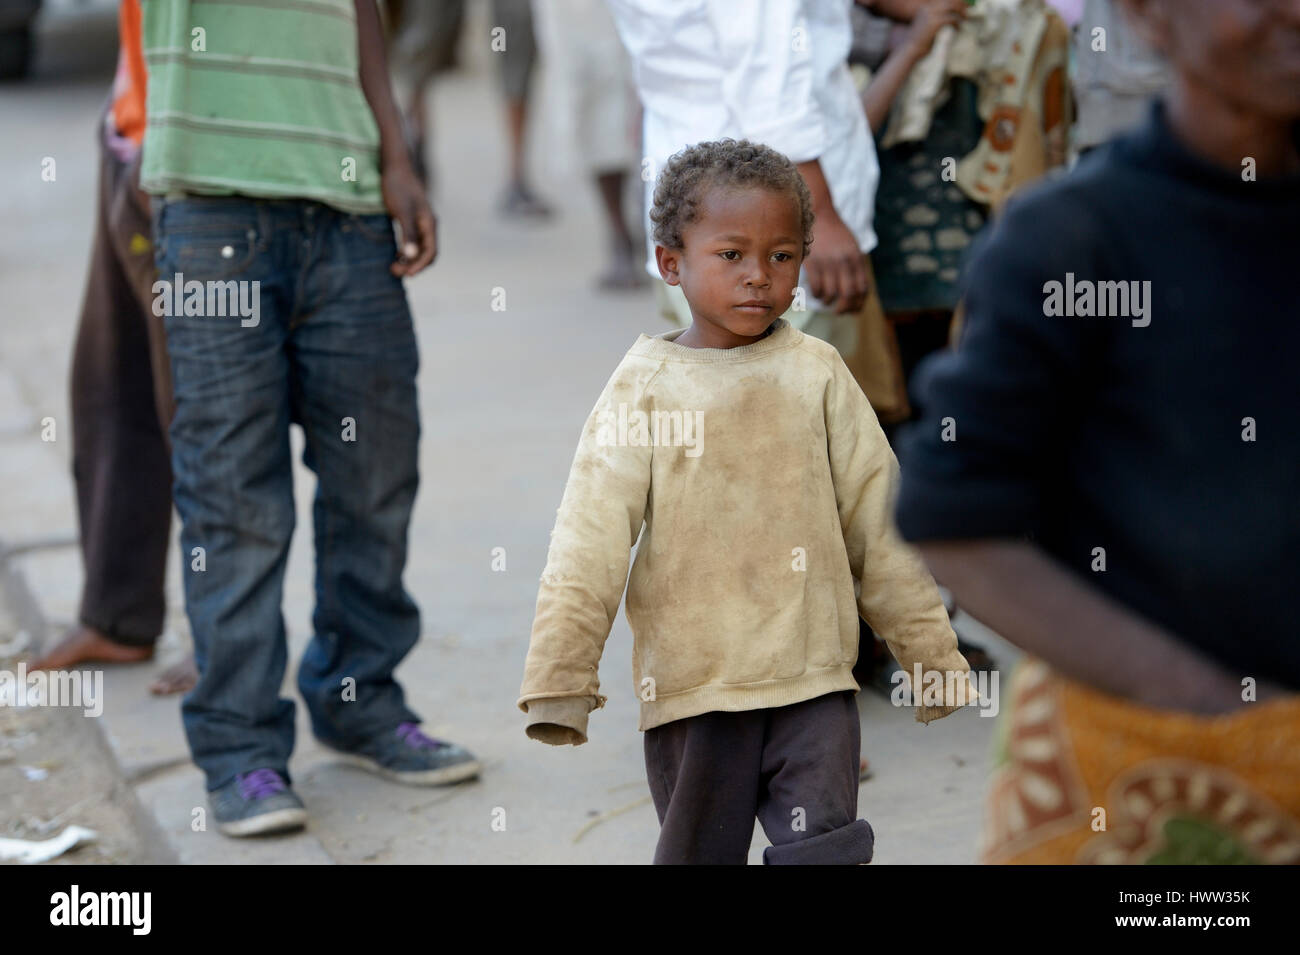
{"x":1108,"y":470}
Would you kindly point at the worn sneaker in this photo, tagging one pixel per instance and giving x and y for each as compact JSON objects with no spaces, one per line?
{"x":257,"y":803}
{"x":406,"y":755}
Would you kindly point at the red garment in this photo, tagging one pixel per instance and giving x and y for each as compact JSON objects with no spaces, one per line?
{"x":131,"y":80}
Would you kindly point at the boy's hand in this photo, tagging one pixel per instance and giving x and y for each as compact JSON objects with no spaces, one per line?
{"x":933,"y":17}
{"x":403,"y":192}
{"x":405,"y":199}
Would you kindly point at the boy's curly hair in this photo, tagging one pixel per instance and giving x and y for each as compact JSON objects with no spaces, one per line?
{"x":726,"y":162}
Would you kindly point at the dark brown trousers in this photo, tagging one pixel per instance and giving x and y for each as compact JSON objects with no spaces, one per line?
{"x":793,"y":767}
{"x":121,"y":407}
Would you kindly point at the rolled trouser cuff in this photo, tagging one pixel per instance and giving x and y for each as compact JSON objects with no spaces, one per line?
{"x":848,"y":845}
{"x":133,"y":635}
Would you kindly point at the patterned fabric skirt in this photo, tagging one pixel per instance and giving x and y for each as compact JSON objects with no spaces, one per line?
{"x":1084,"y":777}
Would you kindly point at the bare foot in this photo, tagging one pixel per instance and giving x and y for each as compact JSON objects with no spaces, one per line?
{"x":85,"y":644}
{"x":864,"y":770}
{"x":177,"y":678}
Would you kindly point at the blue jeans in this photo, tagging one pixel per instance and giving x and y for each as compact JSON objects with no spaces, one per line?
{"x":325,"y":339}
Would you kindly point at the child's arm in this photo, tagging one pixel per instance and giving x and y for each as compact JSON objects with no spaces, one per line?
{"x":599,"y":519}
{"x":879,"y":95}
{"x":404,"y":194}
{"x":898,"y":597}
{"x":1028,"y":598}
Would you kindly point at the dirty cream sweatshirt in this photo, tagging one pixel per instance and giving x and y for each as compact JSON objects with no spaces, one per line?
{"x":761,"y":486}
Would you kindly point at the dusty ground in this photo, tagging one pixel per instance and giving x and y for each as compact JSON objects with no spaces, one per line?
{"x":81,"y":786}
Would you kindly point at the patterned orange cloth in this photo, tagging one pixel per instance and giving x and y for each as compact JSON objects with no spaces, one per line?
{"x":1027,"y":120}
{"x":1084,"y":777}
{"x":1017,"y":52}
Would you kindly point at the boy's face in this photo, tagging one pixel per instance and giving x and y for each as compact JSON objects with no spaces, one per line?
{"x":1246,"y":51}
{"x":740,"y":264}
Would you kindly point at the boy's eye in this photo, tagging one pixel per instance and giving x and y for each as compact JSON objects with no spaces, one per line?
{"x":781,"y":256}
{"x":728,"y":255}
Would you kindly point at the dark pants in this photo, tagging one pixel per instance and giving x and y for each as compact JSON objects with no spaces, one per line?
{"x":794,"y":767}
{"x":121,"y":404}
{"x":328,"y":343}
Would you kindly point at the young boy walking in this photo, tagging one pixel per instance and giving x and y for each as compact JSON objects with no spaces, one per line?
{"x":764,"y":484}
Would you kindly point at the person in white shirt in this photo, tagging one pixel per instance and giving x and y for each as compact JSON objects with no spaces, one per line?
{"x":775,"y":72}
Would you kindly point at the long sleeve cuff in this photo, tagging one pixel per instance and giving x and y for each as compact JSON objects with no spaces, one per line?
{"x":559,"y":720}
{"x":961,"y":694}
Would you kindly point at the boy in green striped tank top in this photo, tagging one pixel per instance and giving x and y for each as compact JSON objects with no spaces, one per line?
{"x":275,"y":159}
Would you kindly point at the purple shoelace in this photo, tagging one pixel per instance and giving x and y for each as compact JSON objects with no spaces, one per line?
{"x":409,"y":733}
{"x":260,"y":783}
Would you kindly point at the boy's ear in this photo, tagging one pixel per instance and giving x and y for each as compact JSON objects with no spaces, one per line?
{"x":669,"y":261}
